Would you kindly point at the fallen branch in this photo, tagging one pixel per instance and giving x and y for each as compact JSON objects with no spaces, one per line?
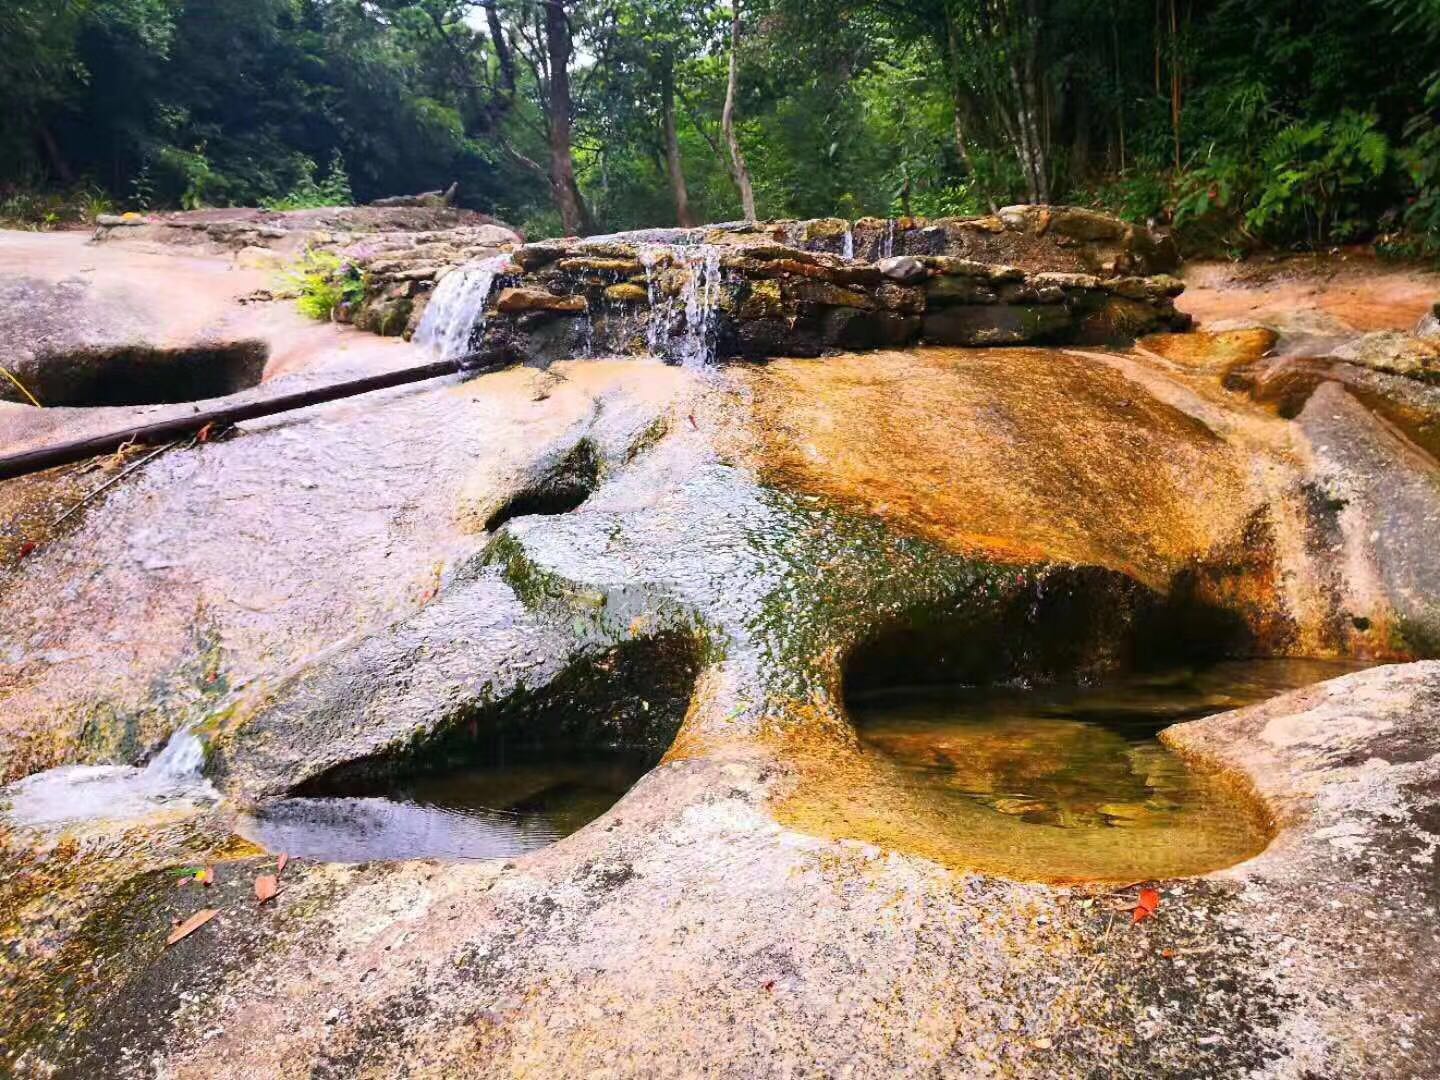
{"x":47,"y":457}
{"x":19,"y":385}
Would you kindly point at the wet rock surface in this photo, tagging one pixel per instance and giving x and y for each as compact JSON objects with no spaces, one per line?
{"x":803,"y":288}
{"x":238,"y":229}
{"x":623,"y":552}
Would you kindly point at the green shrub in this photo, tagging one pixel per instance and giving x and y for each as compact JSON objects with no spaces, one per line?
{"x":1318,"y":176}
{"x":189,"y":172}
{"x":1138,"y":198}
{"x":321,"y":282}
{"x":1311,"y":183}
{"x":956,"y":200}
{"x":309,"y":194}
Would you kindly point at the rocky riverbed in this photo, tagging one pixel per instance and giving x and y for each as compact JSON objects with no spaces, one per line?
{"x":710,"y":563}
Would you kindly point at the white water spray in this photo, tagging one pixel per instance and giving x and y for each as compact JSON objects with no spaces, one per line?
{"x":73,"y":793}
{"x":887,"y":246}
{"x":456,"y":311}
{"x":683,"y":327}
{"x":848,"y":248}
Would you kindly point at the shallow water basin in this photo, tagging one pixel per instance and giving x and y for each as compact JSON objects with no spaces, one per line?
{"x":475,"y":812}
{"x":1057,"y":784}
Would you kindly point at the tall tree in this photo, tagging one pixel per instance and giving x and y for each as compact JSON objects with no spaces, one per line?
{"x":738,"y":168}
{"x":560,"y":48}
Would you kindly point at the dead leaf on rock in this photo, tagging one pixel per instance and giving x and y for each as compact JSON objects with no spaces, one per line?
{"x":1146,"y":905}
{"x":266,"y":886}
{"x":280,"y":863}
{"x":190,"y":925}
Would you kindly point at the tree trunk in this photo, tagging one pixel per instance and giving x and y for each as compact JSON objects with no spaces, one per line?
{"x":738,"y":169}
{"x":574,"y":214}
{"x":674,"y":167}
{"x":1080,"y":142}
{"x":58,"y":164}
{"x":957,"y":94}
{"x":1119,"y":86}
{"x":502,"y":50}
{"x":1034,"y":103}
{"x":1175,"y":76}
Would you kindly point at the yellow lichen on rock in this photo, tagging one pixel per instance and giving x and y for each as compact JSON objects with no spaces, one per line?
{"x":1015,"y":455}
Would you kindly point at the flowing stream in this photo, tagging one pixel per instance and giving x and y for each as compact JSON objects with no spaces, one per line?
{"x":456,"y":312}
{"x":682,"y":326}
{"x":171,"y":781}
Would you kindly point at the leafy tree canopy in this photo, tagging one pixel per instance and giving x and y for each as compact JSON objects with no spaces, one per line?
{"x":1243,"y":122}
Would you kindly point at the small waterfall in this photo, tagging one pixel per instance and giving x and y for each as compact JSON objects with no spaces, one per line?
{"x":847,"y":248}
{"x":682,"y":327}
{"x":180,"y":763}
{"x":701,"y":294}
{"x":73,"y":793}
{"x":887,"y":246}
{"x":457,"y":308}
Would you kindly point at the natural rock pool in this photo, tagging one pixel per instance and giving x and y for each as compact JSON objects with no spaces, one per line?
{"x":475,"y":812}
{"x":1064,"y":783}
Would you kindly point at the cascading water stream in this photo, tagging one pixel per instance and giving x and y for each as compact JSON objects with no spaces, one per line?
{"x":456,"y":312}
{"x":848,"y":246}
{"x":173,"y":780}
{"x":682,"y":325}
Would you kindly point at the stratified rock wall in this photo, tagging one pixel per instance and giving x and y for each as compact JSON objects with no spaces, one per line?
{"x":1028,"y":275}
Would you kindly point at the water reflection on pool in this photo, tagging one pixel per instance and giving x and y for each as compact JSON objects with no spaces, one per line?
{"x":1052,"y":784}
{"x":479,"y":812}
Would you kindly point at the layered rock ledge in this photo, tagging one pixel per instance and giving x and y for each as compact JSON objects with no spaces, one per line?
{"x":800,"y":288}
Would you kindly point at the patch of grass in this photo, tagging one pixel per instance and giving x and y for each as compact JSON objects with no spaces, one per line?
{"x":38,"y":211}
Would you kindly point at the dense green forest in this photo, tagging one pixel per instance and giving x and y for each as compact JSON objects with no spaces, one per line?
{"x":1242,"y":122}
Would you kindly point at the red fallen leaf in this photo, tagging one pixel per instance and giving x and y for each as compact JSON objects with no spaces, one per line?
{"x":190,"y":925}
{"x":770,"y":985}
{"x":26,"y":548}
{"x":266,"y":886}
{"x":204,"y":434}
{"x":281,"y":863}
{"x":1147,"y":905}
{"x":1168,"y":954}
{"x":206,"y":876}
{"x":693,"y":424}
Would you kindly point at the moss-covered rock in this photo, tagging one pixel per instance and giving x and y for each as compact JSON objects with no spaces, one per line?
{"x":627,"y":293}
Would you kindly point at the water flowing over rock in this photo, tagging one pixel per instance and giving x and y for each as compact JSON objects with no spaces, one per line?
{"x":76,"y":793}
{"x":682,"y":319}
{"x":740,"y":294}
{"x":753,"y":290}
{"x":456,"y":311}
